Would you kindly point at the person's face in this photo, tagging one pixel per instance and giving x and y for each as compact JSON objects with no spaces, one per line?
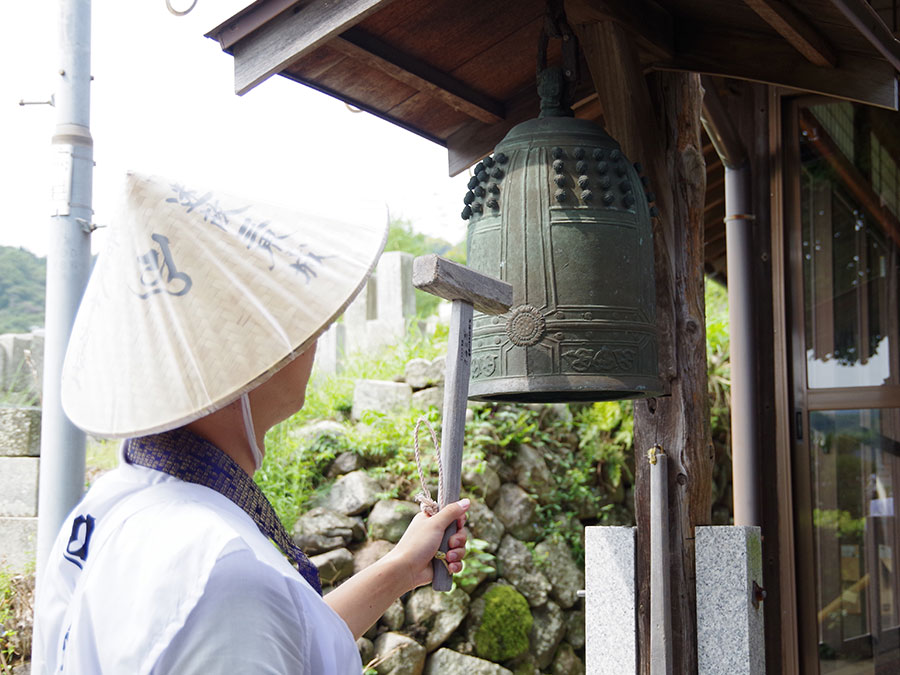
{"x":284,"y":393}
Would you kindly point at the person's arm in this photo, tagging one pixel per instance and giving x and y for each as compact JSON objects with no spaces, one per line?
{"x":361,"y":600}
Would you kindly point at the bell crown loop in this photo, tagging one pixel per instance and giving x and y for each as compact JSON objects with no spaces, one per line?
{"x":556,"y":26}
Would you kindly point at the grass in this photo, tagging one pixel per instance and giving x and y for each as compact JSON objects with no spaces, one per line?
{"x":16,"y":610}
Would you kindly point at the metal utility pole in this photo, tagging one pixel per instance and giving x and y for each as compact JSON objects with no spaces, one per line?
{"x":68,"y":267}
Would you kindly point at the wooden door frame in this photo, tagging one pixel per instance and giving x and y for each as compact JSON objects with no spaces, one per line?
{"x":793,"y":479}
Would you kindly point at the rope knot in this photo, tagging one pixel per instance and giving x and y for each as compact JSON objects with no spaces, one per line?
{"x":426,"y":503}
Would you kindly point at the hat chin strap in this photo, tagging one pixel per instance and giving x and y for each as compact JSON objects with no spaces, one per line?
{"x":248,"y":430}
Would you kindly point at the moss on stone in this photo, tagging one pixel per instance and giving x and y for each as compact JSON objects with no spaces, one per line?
{"x":503,"y":633}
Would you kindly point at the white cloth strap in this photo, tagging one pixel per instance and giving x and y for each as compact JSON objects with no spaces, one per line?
{"x":249,"y":431}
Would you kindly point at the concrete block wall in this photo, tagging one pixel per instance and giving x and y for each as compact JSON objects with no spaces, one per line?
{"x":20,"y":443}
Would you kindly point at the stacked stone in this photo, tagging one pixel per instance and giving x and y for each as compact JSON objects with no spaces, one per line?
{"x":524,"y":616}
{"x":20,"y":445}
{"x":422,"y":387}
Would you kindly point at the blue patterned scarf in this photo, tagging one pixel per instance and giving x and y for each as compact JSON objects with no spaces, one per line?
{"x":186,"y":456}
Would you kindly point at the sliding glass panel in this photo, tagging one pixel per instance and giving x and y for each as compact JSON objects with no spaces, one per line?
{"x":850,"y":251}
{"x":855,"y":465}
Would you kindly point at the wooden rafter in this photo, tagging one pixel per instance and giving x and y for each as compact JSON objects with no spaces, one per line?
{"x":419,"y":75}
{"x":713,"y":50}
{"x":794,"y":28}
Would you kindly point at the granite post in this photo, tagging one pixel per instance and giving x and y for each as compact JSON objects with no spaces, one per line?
{"x":330,"y":349}
{"x":610,"y":621}
{"x":729,"y":601}
{"x":396,"y":295}
{"x":362,"y":310}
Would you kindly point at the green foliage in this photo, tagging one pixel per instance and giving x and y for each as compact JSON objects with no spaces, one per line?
{"x":479,"y":562}
{"x":718,"y":355}
{"x":22,"y":281}
{"x":294,"y":469}
{"x":606,"y":438}
{"x":402,"y":238}
{"x":7,"y":635}
{"x":16,"y":599}
{"x":841,"y":523}
{"x":292,"y":472}
{"x":503,"y":633}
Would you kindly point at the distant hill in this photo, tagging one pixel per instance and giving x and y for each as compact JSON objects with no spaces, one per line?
{"x":22,"y":281}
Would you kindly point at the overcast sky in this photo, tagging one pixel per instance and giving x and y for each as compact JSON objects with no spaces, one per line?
{"x":162,"y":102}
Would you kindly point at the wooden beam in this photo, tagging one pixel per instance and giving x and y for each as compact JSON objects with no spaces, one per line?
{"x":794,"y":28}
{"x":417,"y":74}
{"x":291,"y":34}
{"x":714,"y":50}
{"x":476,"y":139}
{"x":660,"y":127}
{"x":652,"y":26}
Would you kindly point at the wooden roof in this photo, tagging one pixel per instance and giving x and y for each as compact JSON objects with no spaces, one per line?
{"x":462,"y":72}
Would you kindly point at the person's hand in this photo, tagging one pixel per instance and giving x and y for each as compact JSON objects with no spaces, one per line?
{"x":415,"y":550}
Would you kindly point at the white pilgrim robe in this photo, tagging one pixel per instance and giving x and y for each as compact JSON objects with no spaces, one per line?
{"x":151,"y":574}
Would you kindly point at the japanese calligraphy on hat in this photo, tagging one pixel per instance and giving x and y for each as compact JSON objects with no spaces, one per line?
{"x":201,"y":296}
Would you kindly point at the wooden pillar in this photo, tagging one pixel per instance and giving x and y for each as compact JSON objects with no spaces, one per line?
{"x":657,"y":122}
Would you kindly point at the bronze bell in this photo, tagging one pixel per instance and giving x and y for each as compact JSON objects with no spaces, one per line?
{"x":559,"y":212}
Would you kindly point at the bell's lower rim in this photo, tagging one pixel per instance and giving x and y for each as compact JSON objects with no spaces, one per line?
{"x":565,"y":389}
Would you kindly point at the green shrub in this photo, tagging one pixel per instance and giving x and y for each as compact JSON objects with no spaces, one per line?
{"x":478,"y":563}
{"x":503,"y":633}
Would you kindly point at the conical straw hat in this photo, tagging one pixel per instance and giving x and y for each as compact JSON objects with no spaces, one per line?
{"x":201,"y":296}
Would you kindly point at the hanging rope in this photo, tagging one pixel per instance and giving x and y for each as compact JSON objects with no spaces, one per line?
{"x":426,"y":503}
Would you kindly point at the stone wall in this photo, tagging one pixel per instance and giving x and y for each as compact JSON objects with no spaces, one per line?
{"x":20,"y":444}
{"x":516,"y":608}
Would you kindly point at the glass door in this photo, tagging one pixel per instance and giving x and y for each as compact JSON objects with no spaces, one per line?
{"x":845,"y":248}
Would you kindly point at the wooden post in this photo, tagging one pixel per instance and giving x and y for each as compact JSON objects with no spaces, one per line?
{"x":657,"y":123}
